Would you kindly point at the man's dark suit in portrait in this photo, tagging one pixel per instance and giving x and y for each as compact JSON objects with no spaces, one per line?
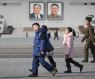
{"x":36,"y":12}
{"x":35,"y":16}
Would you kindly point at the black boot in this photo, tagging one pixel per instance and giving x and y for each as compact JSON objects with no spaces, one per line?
{"x":33,"y":75}
{"x":79,"y":65}
{"x":81,"y":68}
{"x":68,"y":71}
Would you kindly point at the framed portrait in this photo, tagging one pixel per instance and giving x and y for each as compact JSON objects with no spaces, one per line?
{"x":36,"y":11}
{"x":55,"y":10}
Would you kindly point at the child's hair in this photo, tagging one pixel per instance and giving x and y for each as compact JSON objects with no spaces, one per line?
{"x":45,"y":27}
{"x":36,"y":24}
{"x":72,"y":30}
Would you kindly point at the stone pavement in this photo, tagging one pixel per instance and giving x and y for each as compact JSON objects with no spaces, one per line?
{"x":21,"y":47}
{"x":17,"y":68}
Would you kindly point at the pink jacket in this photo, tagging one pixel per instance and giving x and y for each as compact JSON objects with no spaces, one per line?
{"x":68,"y":43}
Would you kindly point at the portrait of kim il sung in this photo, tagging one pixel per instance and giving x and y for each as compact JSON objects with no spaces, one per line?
{"x":36,"y":11}
{"x":55,"y":11}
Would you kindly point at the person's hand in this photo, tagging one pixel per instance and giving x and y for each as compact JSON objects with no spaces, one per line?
{"x":42,"y":53}
{"x":49,"y":53}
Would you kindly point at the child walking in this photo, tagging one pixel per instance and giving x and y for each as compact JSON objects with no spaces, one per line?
{"x":68,"y":43}
{"x":39,"y":53}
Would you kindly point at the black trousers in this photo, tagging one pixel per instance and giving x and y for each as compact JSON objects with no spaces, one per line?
{"x":70,"y":60}
{"x":51,"y":60}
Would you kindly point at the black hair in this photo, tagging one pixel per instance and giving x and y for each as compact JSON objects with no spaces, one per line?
{"x":88,"y":19}
{"x":71,"y":30}
{"x":55,"y":5}
{"x":36,"y":24}
{"x":45,"y":27}
{"x":37,"y":5}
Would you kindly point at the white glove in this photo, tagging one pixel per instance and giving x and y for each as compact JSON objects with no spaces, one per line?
{"x":42,"y":53}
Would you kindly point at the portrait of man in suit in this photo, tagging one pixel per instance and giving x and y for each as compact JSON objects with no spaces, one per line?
{"x":54,"y":11}
{"x":37,"y":11}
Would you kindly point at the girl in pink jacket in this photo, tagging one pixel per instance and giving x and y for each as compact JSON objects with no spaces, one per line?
{"x":68,"y":43}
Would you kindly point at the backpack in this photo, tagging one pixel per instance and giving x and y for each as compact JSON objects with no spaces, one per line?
{"x":49,"y":47}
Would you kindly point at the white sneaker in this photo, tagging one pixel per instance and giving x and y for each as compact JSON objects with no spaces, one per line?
{"x":53,"y":72}
{"x":56,"y":69}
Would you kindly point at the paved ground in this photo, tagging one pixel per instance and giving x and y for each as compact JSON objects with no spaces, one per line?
{"x":21,"y":47}
{"x":15,"y":60}
{"x":17,"y":68}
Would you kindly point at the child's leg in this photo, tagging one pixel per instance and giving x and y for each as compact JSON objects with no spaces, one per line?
{"x":47,"y":66}
{"x":68,"y":66}
{"x":35,"y":64}
{"x":75,"y":63}
{"x":51,"y":60}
